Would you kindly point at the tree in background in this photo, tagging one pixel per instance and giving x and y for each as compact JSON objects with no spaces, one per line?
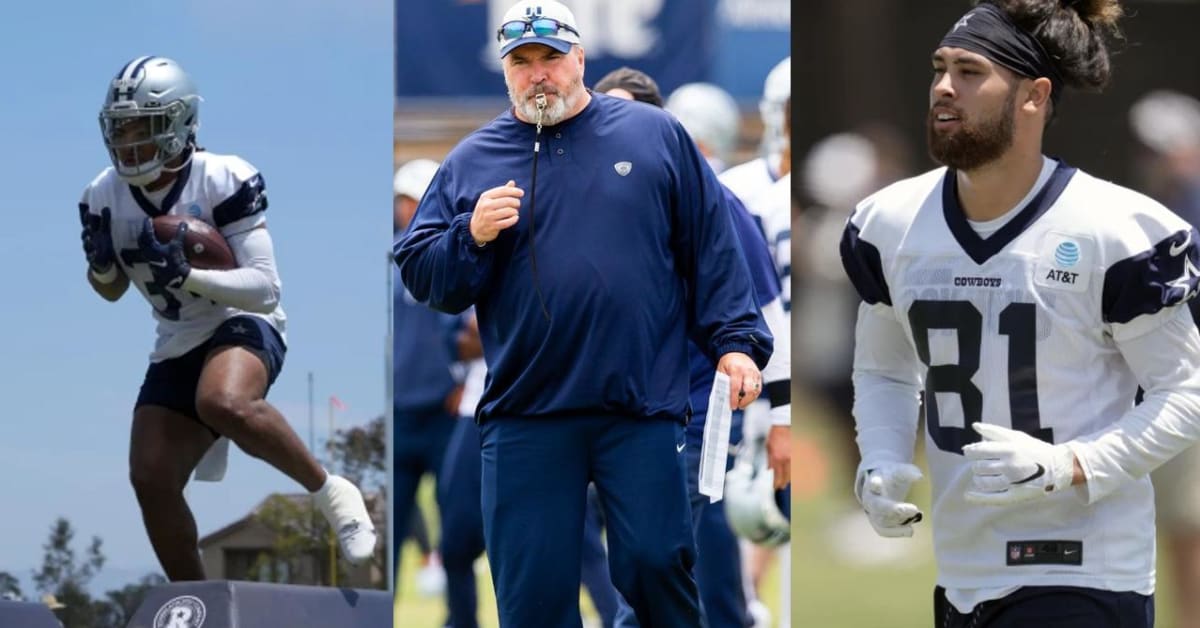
{"x":10,"y":587}
{"x":66,"y":577}
{"x":358,"y":454}
{"x":298,"y":531}
{"x":118,"y":607}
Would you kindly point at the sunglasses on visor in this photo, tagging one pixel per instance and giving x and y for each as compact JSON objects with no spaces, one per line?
{"x":541,"y":27}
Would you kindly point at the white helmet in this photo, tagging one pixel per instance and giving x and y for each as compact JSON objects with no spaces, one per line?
{"x":1166,"y":121}
{"x":841,"y":170}
{"x":709,"y":114}
{"x":413,"y":178}
{"x":777,"y":89}
{"x":750,"y":504}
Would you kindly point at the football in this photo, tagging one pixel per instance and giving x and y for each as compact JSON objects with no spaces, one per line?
{"x":206,"y":248}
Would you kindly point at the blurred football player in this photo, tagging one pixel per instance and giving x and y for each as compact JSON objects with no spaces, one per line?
{"x":1030,"y":300}
{"x":718,"y":570}
{"x":220,"y":338}
{"x":425,"y":392}
{"x":1167,"y":124}
{"x":710,"y":116}
{"x":761,"y":184}
{"x":754,"y":182}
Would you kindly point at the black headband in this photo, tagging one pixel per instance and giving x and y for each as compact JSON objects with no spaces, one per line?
{"x":987,"y":30}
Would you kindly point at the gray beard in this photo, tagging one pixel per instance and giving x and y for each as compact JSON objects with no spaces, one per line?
{"x":553,"y":113}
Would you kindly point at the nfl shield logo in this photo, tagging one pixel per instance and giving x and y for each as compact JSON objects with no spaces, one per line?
{"x":622,"y":167}
{"x":1014,"y":552}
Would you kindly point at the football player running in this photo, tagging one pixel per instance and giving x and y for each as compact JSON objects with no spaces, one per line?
{"x":1030,"y":299}
{"x":755,"y":182}
{"x":220,"y":340}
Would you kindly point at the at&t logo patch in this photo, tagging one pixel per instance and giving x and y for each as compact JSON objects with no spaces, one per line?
{"x":1065,"y":262}
{"x":1067,"y":254}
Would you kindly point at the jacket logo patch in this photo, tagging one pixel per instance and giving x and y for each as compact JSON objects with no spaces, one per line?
{"x":623,"y":167}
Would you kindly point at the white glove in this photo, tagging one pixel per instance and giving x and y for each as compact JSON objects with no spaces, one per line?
{"x":1010,"y":467}
{"x":882,"y":490}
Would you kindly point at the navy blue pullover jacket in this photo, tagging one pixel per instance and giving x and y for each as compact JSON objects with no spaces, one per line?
{"x":421,"y":357}
{"x":766,"y":289}
{"x":635,"y":251}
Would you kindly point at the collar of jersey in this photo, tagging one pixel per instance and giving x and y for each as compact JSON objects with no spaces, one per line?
{"x":169,"y":199}
{"x":981,"y":250}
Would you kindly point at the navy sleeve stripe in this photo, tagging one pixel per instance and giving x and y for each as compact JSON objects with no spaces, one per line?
{"x":864,"y":267}
{"x":780,"y":392}
{"x":250,"y":199}
{"x":1163,"y":276}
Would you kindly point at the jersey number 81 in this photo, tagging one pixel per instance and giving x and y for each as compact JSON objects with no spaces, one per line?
{"x":1017,"y":321}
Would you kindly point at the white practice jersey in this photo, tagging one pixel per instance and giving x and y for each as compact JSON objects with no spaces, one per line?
{"x":222,"y":190}
{"x":769,"y":201}
{"x":749,"y":180}
{"x":1033,"y":328}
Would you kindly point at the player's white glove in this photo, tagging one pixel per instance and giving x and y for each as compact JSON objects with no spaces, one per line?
{"x":1010,"y":467}
{"x":882,"y":490}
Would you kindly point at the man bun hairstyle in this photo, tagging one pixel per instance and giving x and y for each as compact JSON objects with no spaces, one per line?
{"x":1073,"y":32}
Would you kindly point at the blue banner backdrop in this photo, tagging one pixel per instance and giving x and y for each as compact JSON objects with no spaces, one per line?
{"x":447,"y":48}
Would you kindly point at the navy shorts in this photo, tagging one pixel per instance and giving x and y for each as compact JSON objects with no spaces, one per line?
{"x":1058,"y":606}
{"x":172,"y":383}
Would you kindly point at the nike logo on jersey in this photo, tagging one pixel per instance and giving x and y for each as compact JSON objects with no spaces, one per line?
{"x":679,"y":448}
{"x":1044,"y":552}
{"x":1175,"y":250}
{"x":1037,"y":474}
{"x":162,"y":263}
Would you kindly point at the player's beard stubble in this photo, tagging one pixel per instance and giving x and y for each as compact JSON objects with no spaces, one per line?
{"x":973,"y":144}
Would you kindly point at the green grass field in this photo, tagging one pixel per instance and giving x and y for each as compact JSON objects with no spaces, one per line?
{"x":414,"y":611}
{"x":828,"y":593}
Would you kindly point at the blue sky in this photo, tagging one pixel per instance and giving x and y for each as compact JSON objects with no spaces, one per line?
{"x":300,"y":88}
